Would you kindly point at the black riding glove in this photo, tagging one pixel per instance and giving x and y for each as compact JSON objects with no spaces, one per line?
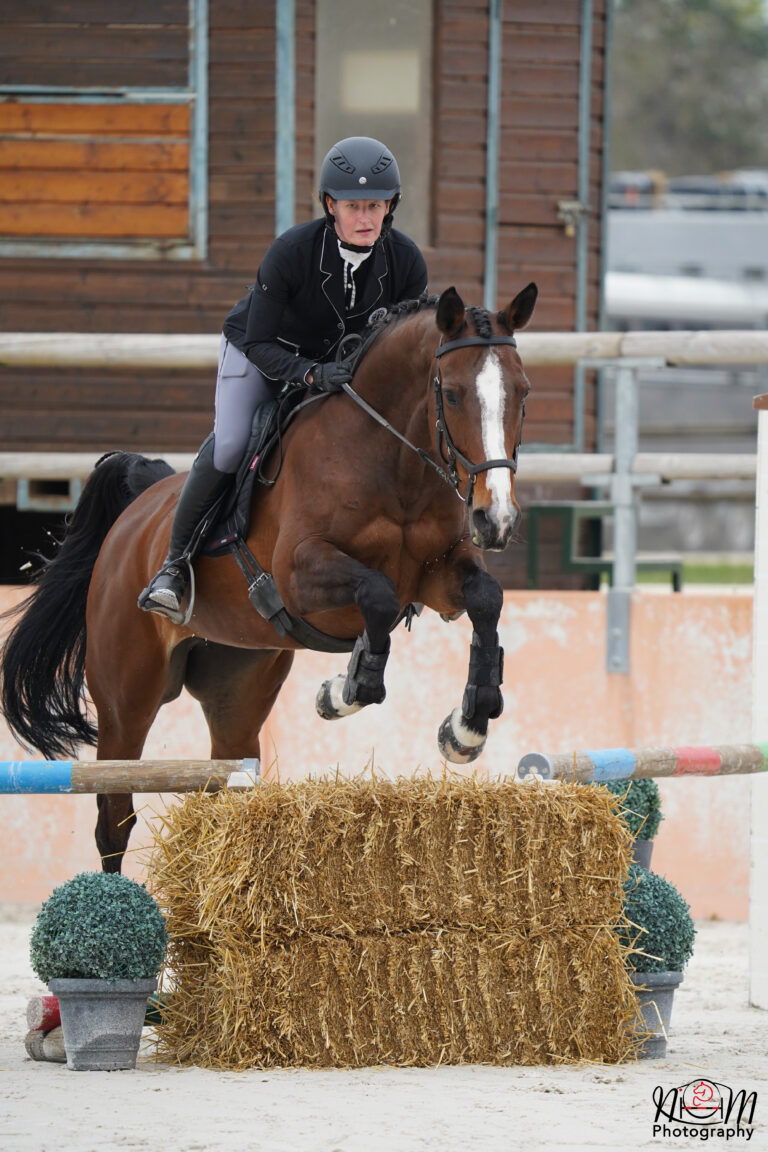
{"x":329,"y":377}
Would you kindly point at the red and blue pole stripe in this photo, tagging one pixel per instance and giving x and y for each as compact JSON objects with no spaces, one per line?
{"x":604,"y":764}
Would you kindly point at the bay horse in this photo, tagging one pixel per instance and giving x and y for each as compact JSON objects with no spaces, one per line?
{"x":387,"y":498}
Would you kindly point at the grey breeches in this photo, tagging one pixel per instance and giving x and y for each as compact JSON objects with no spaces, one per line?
{"x":240,"y":389}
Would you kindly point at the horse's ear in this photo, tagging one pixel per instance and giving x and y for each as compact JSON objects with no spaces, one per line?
{"x":517,"y":314}
{"x":450,"y":312}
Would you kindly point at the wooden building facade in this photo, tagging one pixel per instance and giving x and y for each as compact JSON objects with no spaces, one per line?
{"x":138,"y":145}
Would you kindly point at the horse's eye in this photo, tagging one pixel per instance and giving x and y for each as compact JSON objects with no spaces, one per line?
{"x":452,"y":397}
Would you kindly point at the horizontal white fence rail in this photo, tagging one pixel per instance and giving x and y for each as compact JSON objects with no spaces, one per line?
{"x":121,"y":350}
{"x":70,"y":465}
{"x":139,"y":351}
{"x":535,"y":467}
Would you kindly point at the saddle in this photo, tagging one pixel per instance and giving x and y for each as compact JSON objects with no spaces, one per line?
{"x":258,"y":466}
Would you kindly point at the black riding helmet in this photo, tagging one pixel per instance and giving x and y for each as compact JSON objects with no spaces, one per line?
{"x":360,"y":168}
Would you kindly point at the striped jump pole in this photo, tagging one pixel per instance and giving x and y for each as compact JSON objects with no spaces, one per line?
{"x":640,"y":763}
{"x":113,"y":776}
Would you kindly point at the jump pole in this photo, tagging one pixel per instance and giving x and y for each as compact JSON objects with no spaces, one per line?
{"x":606,"y":764}
{"x":125,"y":776}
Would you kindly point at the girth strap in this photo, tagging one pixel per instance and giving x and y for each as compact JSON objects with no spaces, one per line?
{"x":263,"y":594}
{"x":265,"y":598}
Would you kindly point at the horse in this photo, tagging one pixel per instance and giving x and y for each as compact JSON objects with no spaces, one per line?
{"x":389,"y":493}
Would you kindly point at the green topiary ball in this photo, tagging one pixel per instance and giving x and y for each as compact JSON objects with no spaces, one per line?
{"x":640,"y":807}
{"x":655,"y":906}
{"x":99,"y":926}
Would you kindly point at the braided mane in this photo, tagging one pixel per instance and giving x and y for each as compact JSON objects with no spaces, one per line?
{"x":397,"y":311}
{"x":479,"y":317}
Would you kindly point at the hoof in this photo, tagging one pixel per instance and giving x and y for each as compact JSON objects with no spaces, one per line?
{"x":329,"y":701}
{"x":457,"y":742}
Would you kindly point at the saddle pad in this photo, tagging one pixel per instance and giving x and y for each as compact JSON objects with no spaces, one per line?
{"x":269,"y":423}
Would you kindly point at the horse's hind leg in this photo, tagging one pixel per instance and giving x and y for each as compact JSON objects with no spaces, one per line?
{"x":113,"y":829}
{"x":237,"y":688}
{"x":128,"y":690}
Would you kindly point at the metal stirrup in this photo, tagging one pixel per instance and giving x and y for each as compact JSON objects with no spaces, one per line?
{"x":179,"y":617}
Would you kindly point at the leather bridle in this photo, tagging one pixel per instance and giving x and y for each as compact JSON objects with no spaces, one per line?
{"x":442,"y":433}
{"x":443,"y":438}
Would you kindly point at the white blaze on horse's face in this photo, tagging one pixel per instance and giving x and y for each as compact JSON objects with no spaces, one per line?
{"x":491,"y":394}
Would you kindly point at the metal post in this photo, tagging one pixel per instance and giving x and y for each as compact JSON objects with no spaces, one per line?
{"x":582,"y":213}
{"x":585,"y":126}
{"x":623,"y":484}
{"x":624,"y":452}
{"x":624,"y":521}
{"x":492,"y":154}
{"x":285,"y":115}
{"x":758,"y":885}
{"x":198,"y":82}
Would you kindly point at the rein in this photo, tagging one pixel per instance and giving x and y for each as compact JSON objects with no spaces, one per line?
{"x":446,"y":476}
{"x":443,"y":437}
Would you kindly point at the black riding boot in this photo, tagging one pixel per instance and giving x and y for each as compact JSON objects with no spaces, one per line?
{"x":202,"y":489}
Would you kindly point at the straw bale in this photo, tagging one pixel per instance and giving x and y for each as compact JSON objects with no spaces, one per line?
{"x":419,"y":999}
{"x":364,"y":856}
{"x":409,"y":922}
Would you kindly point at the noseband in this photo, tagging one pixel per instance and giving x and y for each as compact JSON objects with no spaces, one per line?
{"x":442,"y":434}
{"x":450,"y":474}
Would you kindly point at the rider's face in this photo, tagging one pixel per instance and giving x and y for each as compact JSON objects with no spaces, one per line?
{"x":358,"y":221}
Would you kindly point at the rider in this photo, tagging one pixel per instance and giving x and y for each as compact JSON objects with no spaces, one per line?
{"x":317,"y":282}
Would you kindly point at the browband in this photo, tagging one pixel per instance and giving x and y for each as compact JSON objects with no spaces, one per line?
{"x":470,"y":341}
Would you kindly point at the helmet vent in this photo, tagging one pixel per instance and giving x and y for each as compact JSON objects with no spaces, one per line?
{"x":340,"y":161}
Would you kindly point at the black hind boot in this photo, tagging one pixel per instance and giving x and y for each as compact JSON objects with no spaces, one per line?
{"x":202,"y":490}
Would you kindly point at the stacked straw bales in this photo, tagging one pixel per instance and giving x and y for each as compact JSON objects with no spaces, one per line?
{"x":416,"y":922}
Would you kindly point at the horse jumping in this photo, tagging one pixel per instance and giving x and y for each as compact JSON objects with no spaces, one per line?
{"x":387,"y":498}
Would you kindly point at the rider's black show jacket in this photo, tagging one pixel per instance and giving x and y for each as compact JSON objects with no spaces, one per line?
{"x":294,"y":315}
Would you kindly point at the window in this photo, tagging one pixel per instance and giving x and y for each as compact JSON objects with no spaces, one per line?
{"x":103,"y":131}
{"x":373,"y":73}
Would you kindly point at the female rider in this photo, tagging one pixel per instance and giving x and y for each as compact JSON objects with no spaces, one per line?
{"x":316,"y":283}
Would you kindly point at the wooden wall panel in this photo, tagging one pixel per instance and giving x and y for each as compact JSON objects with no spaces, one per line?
{"x":83,"y":411}
{"x":461,"y":68}
{"x":70,"y":119}
{"x":48,"y":45}
{"x":539,"y":168}
{"x":94,"y":170}
{"x":131,"y":12}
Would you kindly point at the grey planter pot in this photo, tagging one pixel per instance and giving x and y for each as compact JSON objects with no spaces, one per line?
{"x":641,"y":853}
{"x":102,"y":1021}
{"x":655,"y":993}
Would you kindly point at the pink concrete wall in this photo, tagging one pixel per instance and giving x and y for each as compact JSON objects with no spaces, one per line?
{"x":690,"y":684}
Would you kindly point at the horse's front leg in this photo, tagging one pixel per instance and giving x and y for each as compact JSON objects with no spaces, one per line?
{"x":463,"y":733}
{"x":324,"y":578}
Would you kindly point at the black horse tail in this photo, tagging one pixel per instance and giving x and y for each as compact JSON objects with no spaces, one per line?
{"x":42,"y":669}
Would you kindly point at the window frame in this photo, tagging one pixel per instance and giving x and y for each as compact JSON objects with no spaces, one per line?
{"x":195,"y":245}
